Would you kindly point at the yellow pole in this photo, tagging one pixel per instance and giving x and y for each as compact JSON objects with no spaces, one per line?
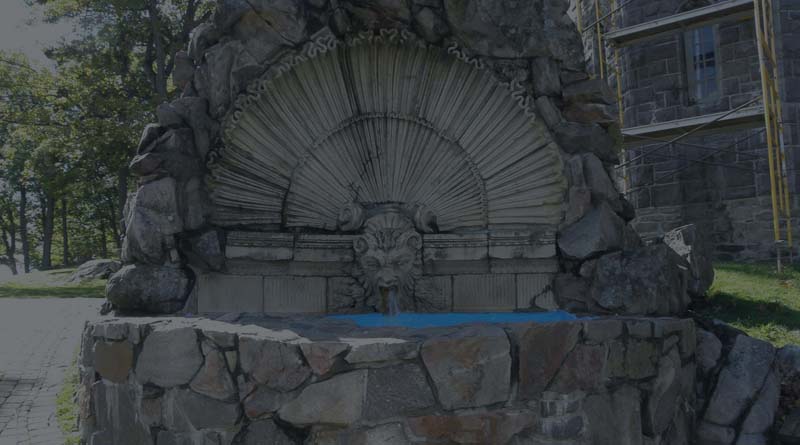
{"x":758,"y":17}
{"x":598,"y":29}
{"x":579,"y":16}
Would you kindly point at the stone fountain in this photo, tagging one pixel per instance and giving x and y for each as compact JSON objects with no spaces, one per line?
{"x":354,"y":156}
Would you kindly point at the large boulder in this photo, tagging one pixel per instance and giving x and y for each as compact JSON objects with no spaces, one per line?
{"x":691,"y":245}
{"x":151,"y":221}
{"x":149,"y":289}
{"x":645,"y":281}
{"x":99,"y":269}
{"x":601,"y":230}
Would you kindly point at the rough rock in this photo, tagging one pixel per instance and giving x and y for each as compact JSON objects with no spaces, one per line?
{"x":762,"y":413}
{"x":194,"y":111}
{"x":370,"y":350}
{"x":585,"y":369}
{"x":169,"y":357}
{"x":323,"y":356}
{"x":205,"y":251}
{"x":95,"y":270}
{"x":469,"y":368}
{"x":787,"y":361}
{"x":689,"y":243}
{"x":646,"y":281}
{"x":204,"y":412}
{"x":395,"y":391}
{"x":431,"y":25}
{"x":184,"y":70}
{"x":588,"y":91}
{"x":113,"y":360}
{"x":338,"y":401}
{"x":153,"y":218}
{"x":214,"y":380}
{"x":474,"y":429}
{"x":614,"y":417}
{"x":152,"y":289}
{"x":709,"y":350}
{"x":662,"y":402}
{"x":747,"y":365}
{"x":264,"y":401}
{"x":116,"y":421}
{"x":272,"y":362}
{"x":599,"y":231}
{"x":600,"y":184}
{"x":386,"y":434}
{"x":542,"y":350}
{"x":574,"y":137}
{"x":545,"y":73}
{"x":264,"y":431}
{"x":377,"y":14}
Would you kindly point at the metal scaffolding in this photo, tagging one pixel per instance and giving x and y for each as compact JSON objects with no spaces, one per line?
{"x":769,"y":112}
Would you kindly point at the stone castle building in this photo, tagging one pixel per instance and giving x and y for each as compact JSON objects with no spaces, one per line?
{"x":700,"y":72}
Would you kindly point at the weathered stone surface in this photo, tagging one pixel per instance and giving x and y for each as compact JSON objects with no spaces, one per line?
{"x":598,"y":231}
{"x":790,"y":431}
{"x":614,"y":417}
{"x":205,"y":251}
{"x":739,"y":381}
{"x":338,"y":401}
{"x":572,"y":293}
{"x":214,"y":380}
{"x":709,"y":350}
{"x":116,"y":420}
{"x":153,"y":289}
{"x":574,"y":137}
{"x":762,"y":413}
{"x":431,"y":25}
{"x":113,"y":360}
{"x":378,"y":14}
{"x":371,"y":350}
{"x":710,"y":434}
{"x":395,"y":391}
{"x":787,"y":361}
{"x":584,"y":369}
{"x":645,"y":281}
{"x":690,"y":244}
{"x":662,"y":402}
{"x":386,"y":434}
{"x":194,"y":111}
{"x":169,"y":357}
{"x":95,"y":270}
{"x":474,"y":429}
{"x":598,"y":181}
{"x":600,"y":331}
{"x":589,"y":91}
{"x":204,"y":412}
{"x":263,"y":432}
{"x":470,"y":368}
{"x":323,"y":356}
{"x":273,"y":362}
{"x":542,"y":350}
{"x":264,"y":401}
{"x":152,"y":218}
{"x":640,"y":359}
{"x":545,"y":73}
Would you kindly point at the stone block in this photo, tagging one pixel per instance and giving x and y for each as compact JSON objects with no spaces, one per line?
{"x":265,"y":431}
{"x":600,"y":331}
{"x":372,"y":350}
{"x":521,"y":266}
{"x":272,"y":361}
{"x":338,"y":401}
{"x":169,"y":357}
{"x":542,"y":351}
{"x":147,"y":288}
{"x":599,"y":231}
{"x":584,"y":369}
{"x":323,"y":356}
{"x":396,"y":391}
{"x":259,"y":246}
{"x":434,"y":294}
{"x":535,"y":291}
{"x":498,"y":427}
{"x":230,"y":293}
{"x":294,"y":294}
{"x":441,"y":253}
{"x":113,"y":360}
{"x":345,"y":295}
{"x":521,"y":245}
{"x":204,"y":412}
{"x":470,"y":368}
{"x":323,"y":248}
{"x":214,"y":379}
{"x":614,"y":417}
{"x":476,"y":293}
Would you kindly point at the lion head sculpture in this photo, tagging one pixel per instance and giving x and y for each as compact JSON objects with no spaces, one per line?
{"x":389,"y":260}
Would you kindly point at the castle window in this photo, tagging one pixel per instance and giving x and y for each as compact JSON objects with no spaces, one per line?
{"x":702,"y":64}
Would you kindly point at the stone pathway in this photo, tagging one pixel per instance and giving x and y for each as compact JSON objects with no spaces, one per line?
{"x":38,"y":340}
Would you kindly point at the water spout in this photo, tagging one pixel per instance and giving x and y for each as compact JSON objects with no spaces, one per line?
{"x":389,"y":303}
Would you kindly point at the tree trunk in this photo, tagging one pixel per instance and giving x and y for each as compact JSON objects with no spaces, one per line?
{"x":122,"y":196}
{"x":103,"y":244}
{"x":48,"y":217}
{"x":161,"y":57}
{"x":23,"y":227}
{"x":64,"y":232}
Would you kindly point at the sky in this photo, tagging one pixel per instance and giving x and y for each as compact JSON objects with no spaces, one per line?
{"x":17,"y":33}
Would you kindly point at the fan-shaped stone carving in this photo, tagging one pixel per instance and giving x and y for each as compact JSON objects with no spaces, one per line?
{"x":382,"y":120}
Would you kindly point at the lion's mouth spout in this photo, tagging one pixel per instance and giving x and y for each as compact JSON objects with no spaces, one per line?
{"x":389,"y":303}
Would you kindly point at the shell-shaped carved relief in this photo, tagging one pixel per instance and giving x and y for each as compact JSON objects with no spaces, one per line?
{"x":385,"y":121}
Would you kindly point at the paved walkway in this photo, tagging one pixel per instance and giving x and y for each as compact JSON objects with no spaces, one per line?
{"x":38,"y":340}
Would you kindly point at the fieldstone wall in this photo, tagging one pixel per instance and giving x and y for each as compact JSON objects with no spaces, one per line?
{"x":317,"y":381}
{"x":717,"y":181}
{"x":194,"y":229}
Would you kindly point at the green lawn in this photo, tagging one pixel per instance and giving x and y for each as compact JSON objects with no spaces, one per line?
{"x":50,"y":284}
{"x":758,"y":300}
{"x":67,"y":407}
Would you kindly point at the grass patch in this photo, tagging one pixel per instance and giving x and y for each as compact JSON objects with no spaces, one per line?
{"x":758,"y":300}
{"x":50,"y":284}
{"x":67,"y":406}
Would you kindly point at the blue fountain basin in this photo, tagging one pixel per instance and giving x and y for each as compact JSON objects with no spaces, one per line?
{"x":415,"y":320}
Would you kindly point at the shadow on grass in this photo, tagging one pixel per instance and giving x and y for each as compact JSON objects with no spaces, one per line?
{"x":760,"y":270}
{"x":731,"y":308}
{"x":18,"y":291}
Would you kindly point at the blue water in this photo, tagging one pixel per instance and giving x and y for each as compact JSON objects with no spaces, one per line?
{"x":413,"y":320}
